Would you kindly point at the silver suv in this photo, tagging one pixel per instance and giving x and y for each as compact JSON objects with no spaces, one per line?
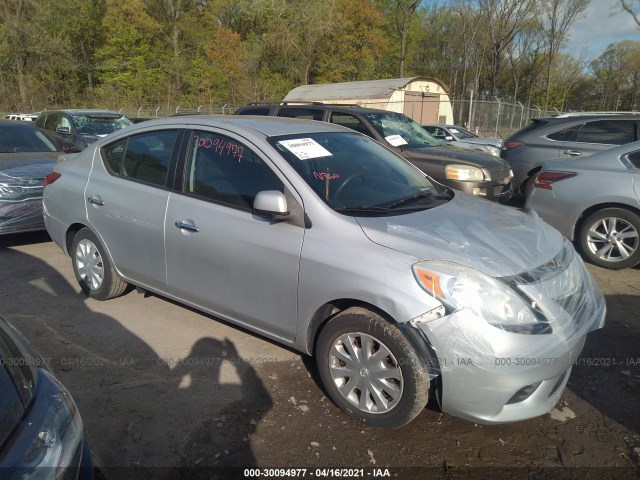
{"x":322,"y":239}
{"x":564,"y":137}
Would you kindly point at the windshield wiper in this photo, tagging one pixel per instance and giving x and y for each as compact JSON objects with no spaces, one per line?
{"x":416,"y":197}
{"x":367,"y":209}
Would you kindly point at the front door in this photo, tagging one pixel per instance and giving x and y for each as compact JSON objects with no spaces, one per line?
{"x":221,"y":256}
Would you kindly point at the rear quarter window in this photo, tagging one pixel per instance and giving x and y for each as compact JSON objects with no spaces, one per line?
{"x":634,"y":159}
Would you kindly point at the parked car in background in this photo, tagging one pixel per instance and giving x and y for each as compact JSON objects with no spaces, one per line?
{"x":73,"y":130}
{"x":471,"y":172}
{"x":27,"y":155}
{"x":564,"y":137}
{"x":23,"y":117}
{"x":41,"y":431}
{"x":324,"y":240}
{"x":595,"y":203}
{"x":463,"y":138}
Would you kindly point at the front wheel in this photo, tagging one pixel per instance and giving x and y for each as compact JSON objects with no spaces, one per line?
{"x":610,"y":238}
{"x":371,"y":370}
{"x":93,"y":269}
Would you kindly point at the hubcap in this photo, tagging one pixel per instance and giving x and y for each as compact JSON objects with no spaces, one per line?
{"x":89,"y":264}
{"x":612,"y":239}
{"x":365,"y":372}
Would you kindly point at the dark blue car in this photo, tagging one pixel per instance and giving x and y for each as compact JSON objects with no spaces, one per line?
{"x":41,"y":431}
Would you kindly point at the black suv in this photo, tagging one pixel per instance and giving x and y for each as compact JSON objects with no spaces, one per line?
{"x":564,"y":137}
{"x":475,"y":173}
{"x":74,"y":130}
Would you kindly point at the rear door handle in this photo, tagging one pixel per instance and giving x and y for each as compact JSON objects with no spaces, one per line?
{"x":573,"y":153}
{"x":186,"y":226}
{"x":95,"y":201}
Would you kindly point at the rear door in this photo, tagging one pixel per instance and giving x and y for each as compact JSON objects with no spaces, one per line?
{"x":597,"y":135}
{"x":220,"y":255}
{"x":127,"y":196}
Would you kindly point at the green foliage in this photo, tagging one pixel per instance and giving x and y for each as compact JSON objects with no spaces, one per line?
{"x":147,"y":53}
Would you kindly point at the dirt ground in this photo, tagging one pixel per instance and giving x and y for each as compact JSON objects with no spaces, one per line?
{"x":167,"y":392}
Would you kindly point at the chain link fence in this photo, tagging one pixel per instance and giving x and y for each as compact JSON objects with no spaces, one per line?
{"x":493,"y":119}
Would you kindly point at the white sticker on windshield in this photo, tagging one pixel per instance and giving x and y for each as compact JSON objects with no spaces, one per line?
{"x":305,"y":148}
{"x":395,"y":140}
{"x":453,"y":130}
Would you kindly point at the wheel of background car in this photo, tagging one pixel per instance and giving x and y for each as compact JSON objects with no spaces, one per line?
{"x":370,"y":369}
{"x":610,"y":238}
{"x":345,"y":182}
{"x":93,"y":269}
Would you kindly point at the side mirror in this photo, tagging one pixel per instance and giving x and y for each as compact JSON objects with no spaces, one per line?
{"x":69,"y":148}
{"x":448,"y":138}
{"x":270,"y":203}
{"x":63,"y":130}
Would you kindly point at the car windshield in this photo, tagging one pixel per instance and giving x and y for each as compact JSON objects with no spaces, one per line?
{"x":357,"y":176}
{"x":23,"y":138}
{"x":100,"y":124}
{"x":399,"y":130}
{"x":461,"y":132}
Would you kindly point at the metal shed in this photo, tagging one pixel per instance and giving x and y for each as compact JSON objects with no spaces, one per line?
{"x":424,"y":99}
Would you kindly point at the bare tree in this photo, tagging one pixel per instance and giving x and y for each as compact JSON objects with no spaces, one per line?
{"x":627,"y":6}
{"x":404,"y":10}
{"x":558,"y":16}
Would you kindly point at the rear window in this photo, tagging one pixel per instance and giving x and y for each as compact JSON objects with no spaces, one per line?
{"x":535,"y":124}
{"x":304,"y":113}
{"x":254,"y":111}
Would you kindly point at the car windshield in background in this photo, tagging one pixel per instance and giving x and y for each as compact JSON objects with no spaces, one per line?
{"x":23,"y":138}
{"x":399,"y":130}
{"x":99,"y":124}
{"x":356,"y":176}
{"x":461,"y":132}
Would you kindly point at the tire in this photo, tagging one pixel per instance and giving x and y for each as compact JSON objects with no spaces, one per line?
{"x":610,"y":238}
{"x":93,"y":269}
{"x":400,"y":388}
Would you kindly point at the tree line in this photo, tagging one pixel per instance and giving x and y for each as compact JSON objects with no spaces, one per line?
{"x":149,"y":53}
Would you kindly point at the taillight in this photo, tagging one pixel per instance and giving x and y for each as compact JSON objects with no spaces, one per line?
{"x":545,"y":179}
{"x":52,"y":177}
{"x":511,"y":144}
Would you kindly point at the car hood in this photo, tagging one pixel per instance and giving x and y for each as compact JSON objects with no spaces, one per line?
{"x":457,"y":155}
{"x":25,"y":167}
{"x":496,"y":240}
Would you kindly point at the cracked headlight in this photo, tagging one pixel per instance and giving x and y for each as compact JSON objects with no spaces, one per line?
{"x":463,"y":288}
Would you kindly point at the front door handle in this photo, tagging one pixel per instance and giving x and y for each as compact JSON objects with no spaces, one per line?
{"x":186,"y":226}
{"x":95,"y":201}
{"x":573,"y":153}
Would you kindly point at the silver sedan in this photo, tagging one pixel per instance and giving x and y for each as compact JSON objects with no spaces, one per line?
{"x":594,"y":201}
{"x":322,"y":239}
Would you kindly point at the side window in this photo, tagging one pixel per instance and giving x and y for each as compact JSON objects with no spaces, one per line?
{"x":144,"y":157}
{"x":51,"y":121}
{"x":349,"y":121}
{"x":610,"y":132}
{"x":226,"y":171}
{"x":304,"y":113}
{"x":565,"y":135}
{"x":634,"y":159}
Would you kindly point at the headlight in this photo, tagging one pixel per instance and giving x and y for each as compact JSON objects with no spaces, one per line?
{"x":459,"y":287}
{"x":57,"y":433}
{"x":464,"y":173}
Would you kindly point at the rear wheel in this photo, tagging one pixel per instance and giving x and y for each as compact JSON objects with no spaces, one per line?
{"x":371,"y":370}
{"x":610,"y":238}
{"x":93,"y":269}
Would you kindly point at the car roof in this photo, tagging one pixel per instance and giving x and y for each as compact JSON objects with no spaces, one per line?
{"x":6,"y":123}
{"x":577,"y":118}
{"x":265,"y":125}
{"x":81,"y":111}
{"x":319,"y":106}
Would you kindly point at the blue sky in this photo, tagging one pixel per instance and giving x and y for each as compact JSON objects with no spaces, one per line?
{"x":599,"y":28}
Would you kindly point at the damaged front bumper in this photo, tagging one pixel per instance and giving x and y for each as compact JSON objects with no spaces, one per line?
{"x":491,"y":374}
